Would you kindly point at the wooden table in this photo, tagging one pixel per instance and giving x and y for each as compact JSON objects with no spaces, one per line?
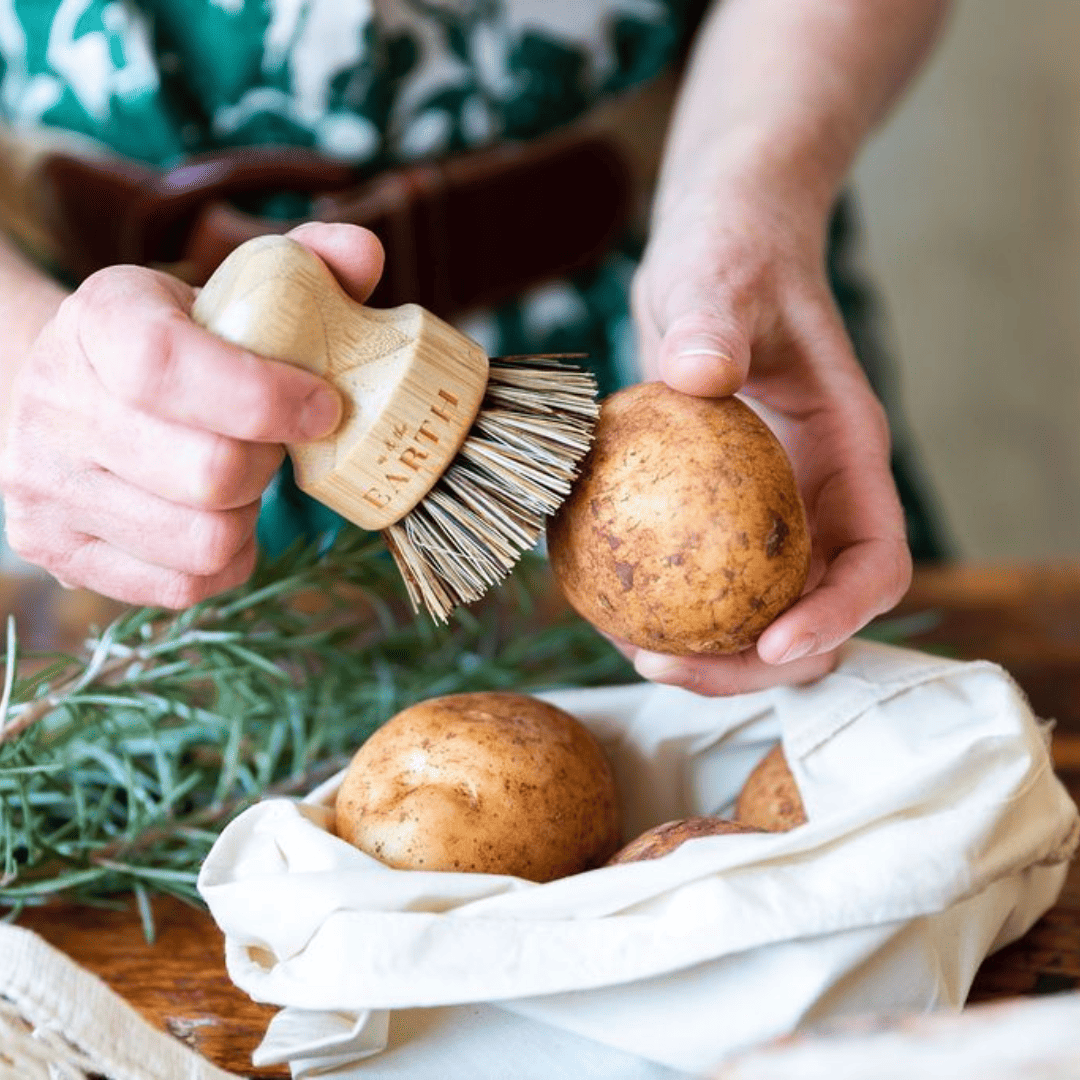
{"x":1025,"y":618}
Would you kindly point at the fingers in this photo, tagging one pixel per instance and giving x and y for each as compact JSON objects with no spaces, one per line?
{"x":134,"y":329}
{"x":122,"y":577}
{"x":697,"y":337}
{"x":103,"y":534}
{"x":199,"y":470}
{"x":742,"y":673}
{"x":704,"y":353}
{"x":863,"y":581}
{"x":47,"y":526}
{"x":146,"y":351}
{"x":862,"y":560}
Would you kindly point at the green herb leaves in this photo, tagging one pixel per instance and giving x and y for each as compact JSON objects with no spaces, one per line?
{"x":119,"y":768}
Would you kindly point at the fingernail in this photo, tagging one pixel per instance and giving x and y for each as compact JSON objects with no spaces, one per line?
{"x":696,"y":354}
{"x":698,"y":360}
{"x":702,"y":347}
{"x":321,"y":415}
{"x":799,"y":648}
{"x":656,"y":667}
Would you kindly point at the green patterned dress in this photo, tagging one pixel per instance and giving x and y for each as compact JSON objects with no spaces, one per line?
{"x":376,"y":83}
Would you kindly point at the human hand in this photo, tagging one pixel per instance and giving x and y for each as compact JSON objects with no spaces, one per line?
{"x":732,"y":296}
{"x":138,"y":444}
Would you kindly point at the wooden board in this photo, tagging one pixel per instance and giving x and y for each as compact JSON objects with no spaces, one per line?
{"x":178,"y":983}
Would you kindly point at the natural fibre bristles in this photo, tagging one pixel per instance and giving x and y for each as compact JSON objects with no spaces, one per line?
{"x":515,"y":468}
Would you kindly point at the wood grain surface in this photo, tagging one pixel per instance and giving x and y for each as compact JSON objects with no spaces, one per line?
{"x":178,"y":983}
{"x":1026,"y":618}
{"x":420,"y":380}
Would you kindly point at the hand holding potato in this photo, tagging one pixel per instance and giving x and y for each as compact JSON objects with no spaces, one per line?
{"x":732,"y":294}
{"x":744,"y":306}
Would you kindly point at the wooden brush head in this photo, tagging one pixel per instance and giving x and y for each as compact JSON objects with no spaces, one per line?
{"x":412,"y":384}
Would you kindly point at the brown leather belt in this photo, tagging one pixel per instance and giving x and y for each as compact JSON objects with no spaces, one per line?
{"x":459,"y":234}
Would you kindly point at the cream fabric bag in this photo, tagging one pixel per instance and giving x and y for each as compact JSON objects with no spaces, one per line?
{"x":937,"y":833}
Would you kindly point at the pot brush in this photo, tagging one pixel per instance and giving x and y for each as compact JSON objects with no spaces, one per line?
{"x":457,"y":459}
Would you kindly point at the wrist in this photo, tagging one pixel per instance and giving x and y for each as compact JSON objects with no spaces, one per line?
{"x":29,"y":300}
{"x":789,"y":176}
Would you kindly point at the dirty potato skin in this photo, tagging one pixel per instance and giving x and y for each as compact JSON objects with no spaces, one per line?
{"x":770,"y":797}
{"x":487,"y":782}
{"x":662,"y":839}
{"x":685,"y":532}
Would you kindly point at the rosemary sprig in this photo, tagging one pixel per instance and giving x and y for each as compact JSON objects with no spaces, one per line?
{"x":119,"y":767}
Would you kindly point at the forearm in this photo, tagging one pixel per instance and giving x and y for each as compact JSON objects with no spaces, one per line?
{"x":793,"y":86}
{"x":28,"y":300}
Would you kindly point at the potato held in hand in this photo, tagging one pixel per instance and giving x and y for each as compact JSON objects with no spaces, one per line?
{"x":685,"y":532}
{"x":495,"y":783}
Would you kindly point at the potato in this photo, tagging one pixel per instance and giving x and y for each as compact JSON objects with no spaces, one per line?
{"x":685,"y":532}
{"x":770,"y":797}
{"x":662,"y":839}
{"x":489,"y":782}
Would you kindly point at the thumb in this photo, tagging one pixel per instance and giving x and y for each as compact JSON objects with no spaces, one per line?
{"x":704,"y":352}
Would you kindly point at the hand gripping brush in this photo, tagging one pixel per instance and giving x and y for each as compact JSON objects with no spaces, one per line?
{"x":456,"y":459}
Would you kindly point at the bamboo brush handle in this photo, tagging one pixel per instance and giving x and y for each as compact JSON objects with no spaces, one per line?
{"x":412,"y":383}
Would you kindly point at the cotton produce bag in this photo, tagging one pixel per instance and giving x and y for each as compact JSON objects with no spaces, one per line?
{"x":937,"y":833}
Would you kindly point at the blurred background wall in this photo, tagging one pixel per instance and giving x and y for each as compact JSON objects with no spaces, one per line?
{"x":971,"y":201}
